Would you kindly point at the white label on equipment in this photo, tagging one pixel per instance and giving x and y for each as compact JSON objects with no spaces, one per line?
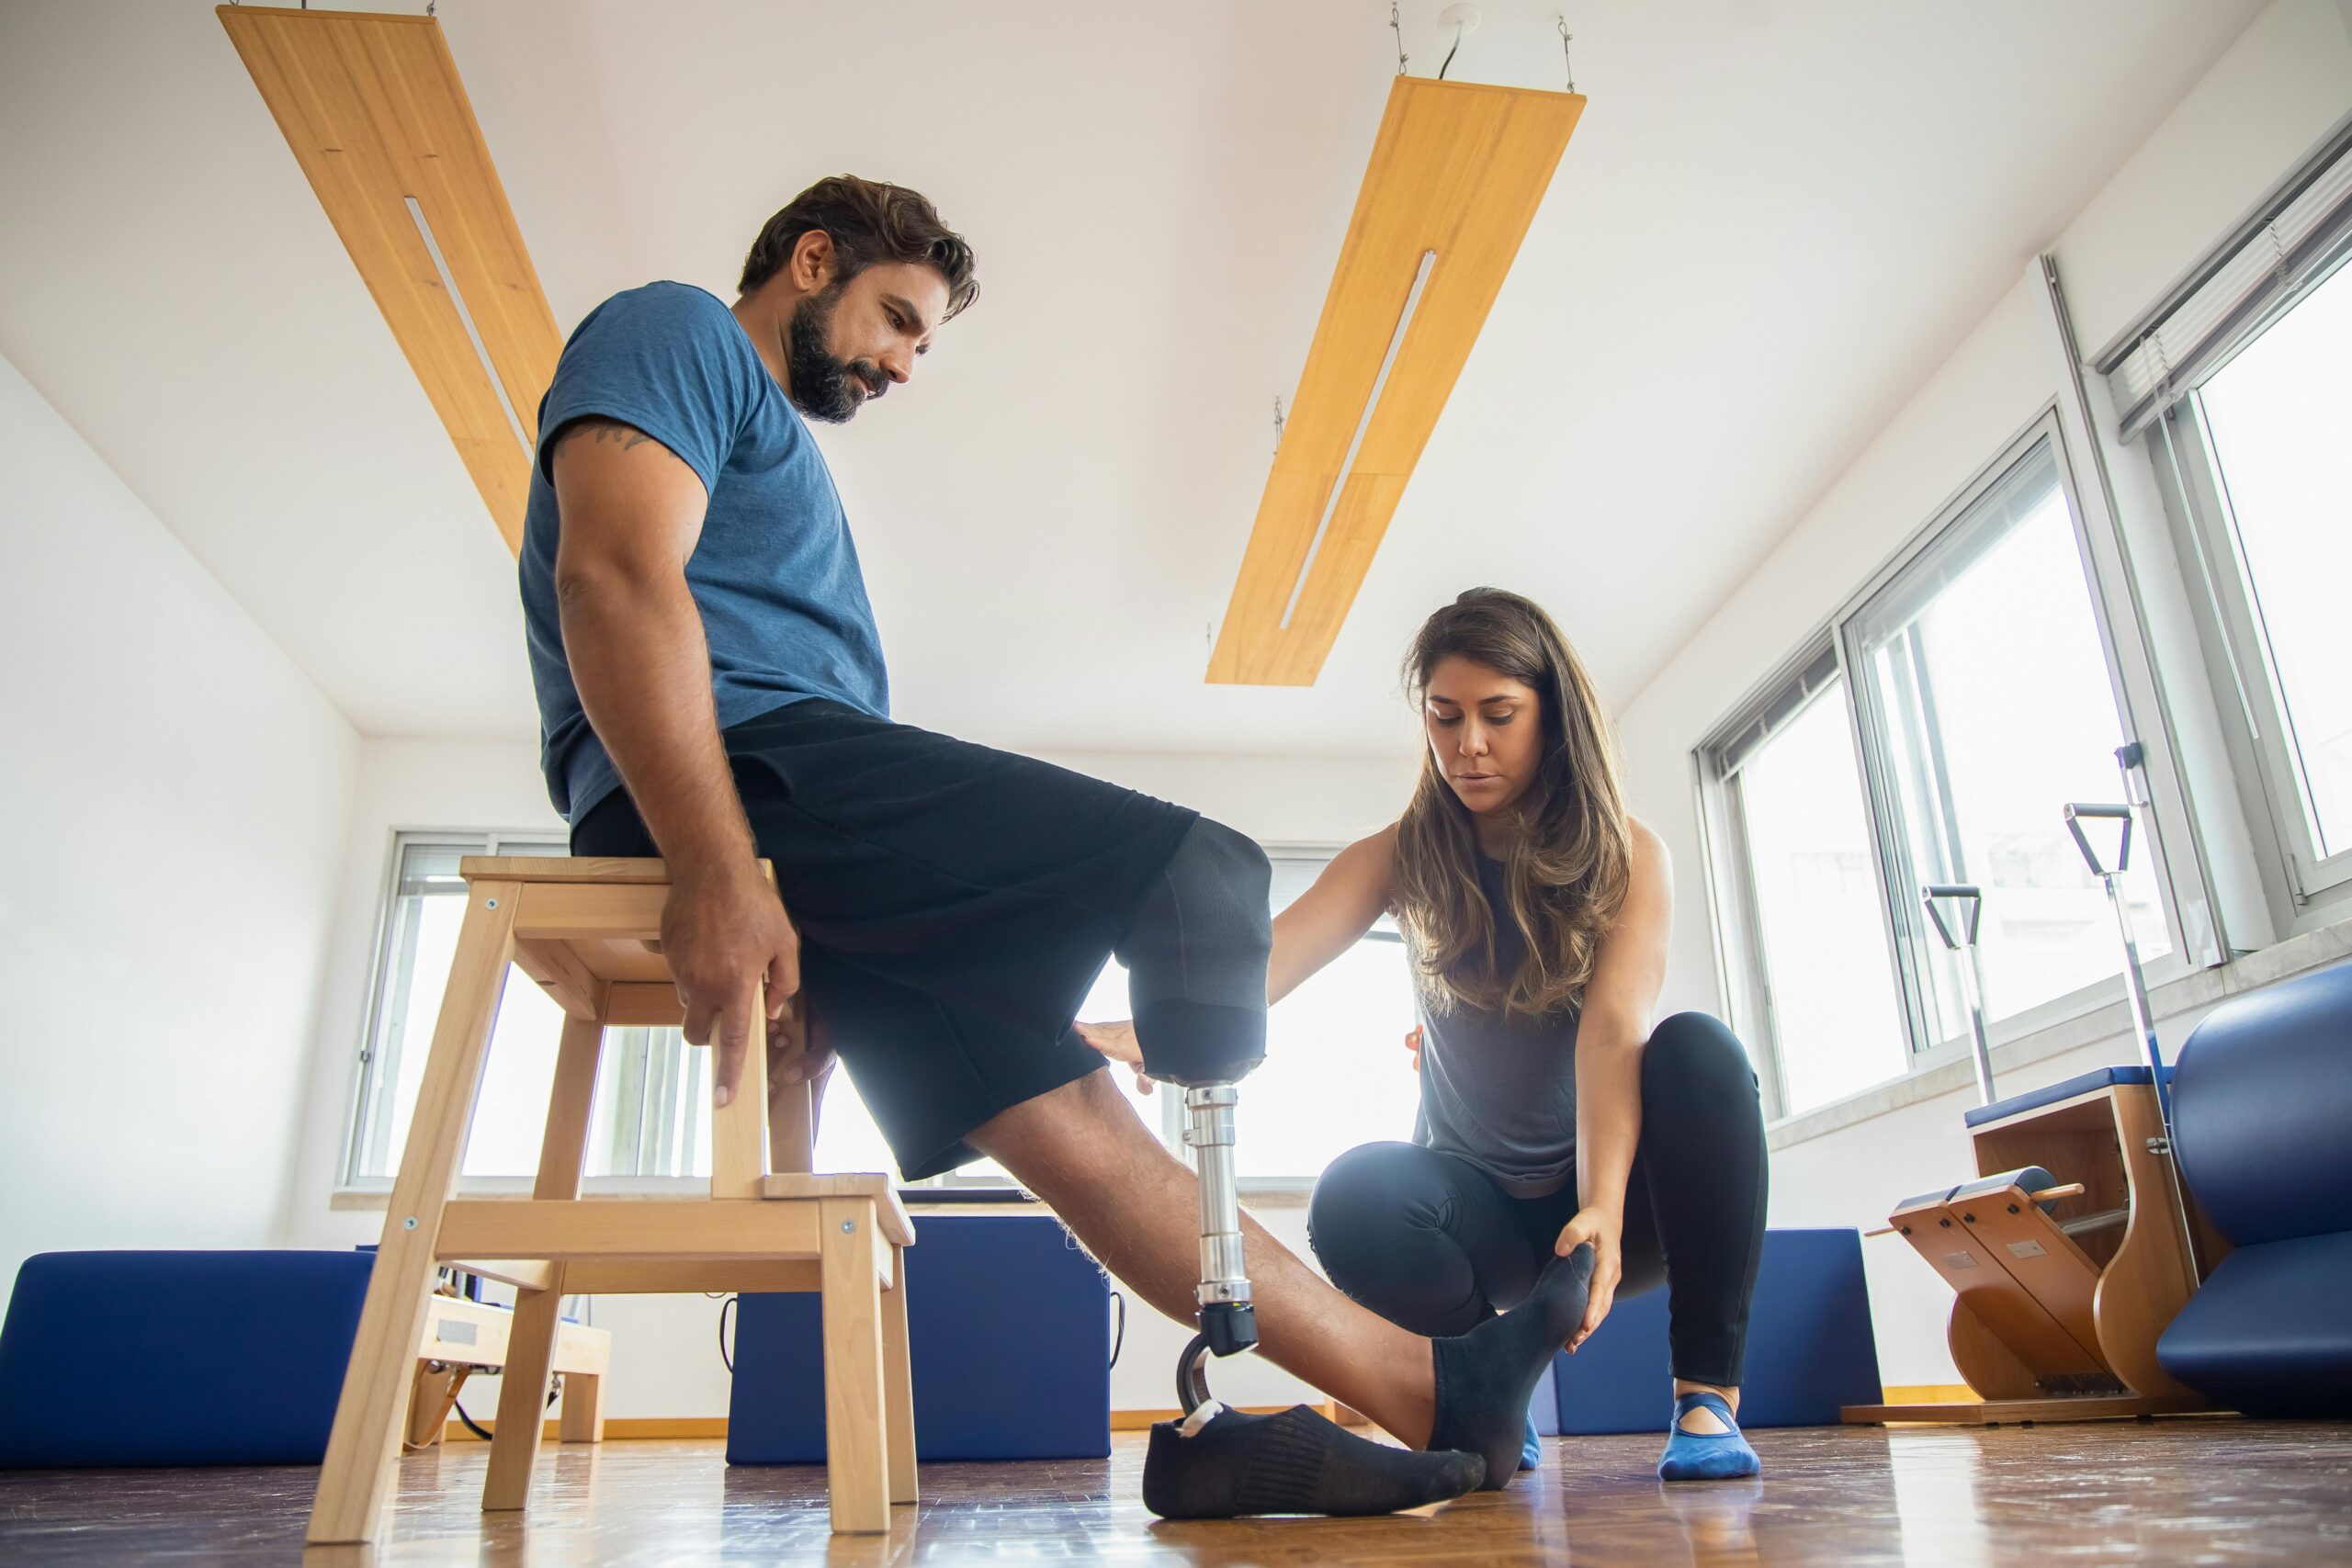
{"x":1959,"y":1260}
{"x":455,"y":1333}
{"x":2027,"y":1250}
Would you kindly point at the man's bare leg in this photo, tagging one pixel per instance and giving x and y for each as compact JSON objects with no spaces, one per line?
{"x":1135,"y":1205}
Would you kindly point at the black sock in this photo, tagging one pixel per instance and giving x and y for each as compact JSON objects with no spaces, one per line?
{"x":1486,"y":1377}
{"x":1296,"y":1462}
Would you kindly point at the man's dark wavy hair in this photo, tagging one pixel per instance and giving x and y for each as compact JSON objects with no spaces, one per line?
{"x":868,"y":221}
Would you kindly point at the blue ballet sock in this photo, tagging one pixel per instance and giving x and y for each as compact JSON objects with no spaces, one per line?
{"x":1531,"y":1448}
{"x":1705,"y":1456}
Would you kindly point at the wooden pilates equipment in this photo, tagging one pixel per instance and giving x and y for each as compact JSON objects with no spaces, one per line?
{"x":587,"y":930}
{"x":2058,"y":1312}
{"x":379,"y":121}
{"x":1457,"y":173}
{"x":463,"y":1336}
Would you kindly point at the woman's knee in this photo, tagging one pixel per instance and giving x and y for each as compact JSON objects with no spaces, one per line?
{"x":1694,"y":1053}
{"x":1361,"y":1203}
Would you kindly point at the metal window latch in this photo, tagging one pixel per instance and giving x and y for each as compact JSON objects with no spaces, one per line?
{"x":2160,"y":1145}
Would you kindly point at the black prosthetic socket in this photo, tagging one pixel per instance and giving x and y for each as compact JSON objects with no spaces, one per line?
{"x":1195,"y":952}
{"x":1296,"y":1462}
{"x":1486,"y":1377}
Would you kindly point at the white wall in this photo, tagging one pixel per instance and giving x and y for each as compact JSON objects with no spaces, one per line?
{"x":176,"y":793}
{"x":665,"y":1358}
{"x":2274,"y":94}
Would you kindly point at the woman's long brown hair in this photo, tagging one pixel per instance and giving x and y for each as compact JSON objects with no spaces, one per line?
{"x":1566,"y":871}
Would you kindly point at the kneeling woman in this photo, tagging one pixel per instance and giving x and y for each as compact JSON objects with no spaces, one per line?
{"x":1553,"y":1113}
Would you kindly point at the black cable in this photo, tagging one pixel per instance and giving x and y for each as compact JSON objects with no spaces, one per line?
{"x":1119,"y":1343}
{"x":475,"y":1426}
{"x":724,"y":1308}
{"x":1449,"y":56}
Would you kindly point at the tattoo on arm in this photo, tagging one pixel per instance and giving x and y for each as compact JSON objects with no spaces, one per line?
{"x":628,"y":436}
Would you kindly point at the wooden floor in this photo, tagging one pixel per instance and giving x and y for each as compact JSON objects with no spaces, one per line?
{"x":2189,"y":1491}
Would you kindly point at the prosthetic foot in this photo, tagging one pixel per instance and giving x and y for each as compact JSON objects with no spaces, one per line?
{"x":1221,"y":1463}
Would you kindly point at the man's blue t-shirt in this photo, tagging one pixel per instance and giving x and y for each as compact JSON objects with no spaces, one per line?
{"x":774,"y":573}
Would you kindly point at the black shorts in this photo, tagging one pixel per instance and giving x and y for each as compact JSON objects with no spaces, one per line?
{"x":955,"y":905}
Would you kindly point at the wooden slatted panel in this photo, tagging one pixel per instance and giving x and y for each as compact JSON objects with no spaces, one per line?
{"x":376,"y":114}
{"x":1458,"y":169}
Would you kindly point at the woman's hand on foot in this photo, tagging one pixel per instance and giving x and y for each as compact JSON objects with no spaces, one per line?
{"x":1117,"y":1041}
{"x":1604,"y":1228}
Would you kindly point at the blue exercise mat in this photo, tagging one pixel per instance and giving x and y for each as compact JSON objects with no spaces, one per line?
{"x":1809,"y":1349}
{"x":131,"y":1358}
{"x":1008,"y":1336}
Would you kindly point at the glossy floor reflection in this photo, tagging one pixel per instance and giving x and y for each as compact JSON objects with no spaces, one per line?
{"x":2191,"y":1491}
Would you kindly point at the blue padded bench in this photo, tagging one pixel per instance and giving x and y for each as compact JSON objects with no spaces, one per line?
{"x":2262,"y":1114}
{"x":1009,"y":1338}
{"x":136,"y":1359}
{"x":1809,"y":1349}
{"x":2081,"y":1083}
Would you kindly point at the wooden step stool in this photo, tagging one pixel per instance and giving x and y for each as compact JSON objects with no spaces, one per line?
{"x":587,"y":932}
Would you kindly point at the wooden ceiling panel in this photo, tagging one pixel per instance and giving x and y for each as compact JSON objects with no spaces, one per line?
{"x":376,"y":117}
{"x":1456,"y":175}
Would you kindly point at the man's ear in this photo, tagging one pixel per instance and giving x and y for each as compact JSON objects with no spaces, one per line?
{"x":813,"y":261}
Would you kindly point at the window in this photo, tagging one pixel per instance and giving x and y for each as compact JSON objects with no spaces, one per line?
{"x":1337,"y":1073}
{"x":1821,"y":1009}
{"x":1988,"y":705}
{"x":2234,"y":385}
{"x":420,"y":936}
{"x":1934,"y":733}
{"x":2261,"y":451}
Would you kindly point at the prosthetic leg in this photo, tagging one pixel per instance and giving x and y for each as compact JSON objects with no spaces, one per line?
{"x":1222,"y":1463}
{"x":1196,"y":953}
{"x":1228,"y":1323}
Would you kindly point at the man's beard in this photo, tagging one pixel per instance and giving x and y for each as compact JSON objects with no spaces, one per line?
{"x":823,"y":386}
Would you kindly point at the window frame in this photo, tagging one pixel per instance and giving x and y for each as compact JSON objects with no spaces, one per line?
{"x":2307,"y":888}
{"x":365,"y":1104}
{"x":1912,"y":936}
{"x":1743,"y":978}
{"x":1740,"y":970}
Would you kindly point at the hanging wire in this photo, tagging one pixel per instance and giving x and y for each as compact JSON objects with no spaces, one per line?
{"x":1451,"y":53}
{"x":1278,"y":422}
{"x":1567,"y":37}
{"x":1395,"y":25}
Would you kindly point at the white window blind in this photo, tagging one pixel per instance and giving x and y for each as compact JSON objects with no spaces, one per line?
{"x":1784,"y":707}
{"x":2291,"y":239}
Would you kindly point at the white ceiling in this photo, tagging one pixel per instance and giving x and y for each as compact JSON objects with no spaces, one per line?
{"x":1775,"y":220}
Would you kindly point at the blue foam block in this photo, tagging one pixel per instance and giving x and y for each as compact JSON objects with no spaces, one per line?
{"x":2269,"y":1335}
{"x":1809,"y":1349}
{"x":175,"y":1357}
{"x":1008,"y":1336}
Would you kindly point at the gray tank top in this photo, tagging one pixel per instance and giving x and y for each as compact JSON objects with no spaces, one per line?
{"x":1501,"y":1092}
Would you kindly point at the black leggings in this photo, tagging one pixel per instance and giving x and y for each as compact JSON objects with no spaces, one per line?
{"x":1429,"y":1241}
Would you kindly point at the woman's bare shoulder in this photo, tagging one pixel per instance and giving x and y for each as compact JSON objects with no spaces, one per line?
{"x":1649,"y":851}
{"x":1369,"y":865}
